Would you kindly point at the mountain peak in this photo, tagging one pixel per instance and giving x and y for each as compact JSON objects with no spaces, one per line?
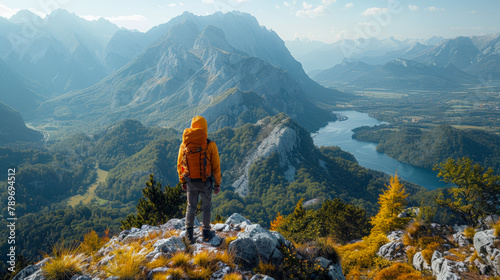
{"x":24,"y":16}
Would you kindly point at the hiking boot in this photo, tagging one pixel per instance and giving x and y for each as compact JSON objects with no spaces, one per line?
{"x":208,"y":235}
{"x":190,"y":235}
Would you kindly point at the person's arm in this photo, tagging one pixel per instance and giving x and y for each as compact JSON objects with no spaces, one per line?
{"x":179,"y":164}
{"x":215,"y":161}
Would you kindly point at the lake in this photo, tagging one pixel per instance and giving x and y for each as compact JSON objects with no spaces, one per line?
{"x":339,"y":134}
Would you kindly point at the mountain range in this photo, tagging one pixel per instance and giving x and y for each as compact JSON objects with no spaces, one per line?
{"x":200,"y":64}
{"x":453,"y":63}
{"x":315,"y":55}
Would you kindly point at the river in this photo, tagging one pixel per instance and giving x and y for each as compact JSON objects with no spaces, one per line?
{"x":339,"y":134}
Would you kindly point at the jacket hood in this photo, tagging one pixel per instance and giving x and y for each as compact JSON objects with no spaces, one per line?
{"x":199,"y":122}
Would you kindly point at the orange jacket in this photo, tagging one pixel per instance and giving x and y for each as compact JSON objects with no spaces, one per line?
{"x":212,"y":152}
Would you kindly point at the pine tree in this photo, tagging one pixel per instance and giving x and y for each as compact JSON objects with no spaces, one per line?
{"x":391,"y":202}
{"x":157,"y":206}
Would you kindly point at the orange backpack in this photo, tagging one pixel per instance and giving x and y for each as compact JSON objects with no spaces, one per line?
{"x":195,"y":163}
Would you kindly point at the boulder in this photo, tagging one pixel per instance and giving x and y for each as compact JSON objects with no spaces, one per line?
{"x":32,"y":272}
{"x":395,"y":235}
{"x":445,"y":269}
{"x":419,"y":262}
{"x":245,"y":252}
{"x":221,"y":227}
{"x":335,"y":272}
{"x":483,"y":242}
{"x":392,"y":250}
{"x":169,"y":245}
{"x":460,"y":239}
{"x":236,"y":219}
{"x":267,"y":244}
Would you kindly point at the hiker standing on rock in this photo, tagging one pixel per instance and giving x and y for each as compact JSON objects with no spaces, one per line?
{"x":198,"y":166}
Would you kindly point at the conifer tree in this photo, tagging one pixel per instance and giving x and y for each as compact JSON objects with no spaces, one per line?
{"x":157,"y":205}
{"x":391,"y":202}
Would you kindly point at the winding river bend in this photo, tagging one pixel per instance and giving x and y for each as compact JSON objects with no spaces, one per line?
{"x":339,"y":134}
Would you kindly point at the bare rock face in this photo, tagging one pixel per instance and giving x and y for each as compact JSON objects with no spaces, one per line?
{"x":392,"y":251}
{"x":445,"y":269}
{"x":282,"y":140}
{"x":484,"y":243}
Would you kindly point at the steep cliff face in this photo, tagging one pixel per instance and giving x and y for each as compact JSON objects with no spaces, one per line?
{"x":282,"y":140}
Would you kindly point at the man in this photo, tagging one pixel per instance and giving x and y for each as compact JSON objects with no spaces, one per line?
{"x":198,"y":166}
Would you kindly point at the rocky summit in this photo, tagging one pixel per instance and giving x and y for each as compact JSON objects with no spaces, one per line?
{"x":239,"y":247}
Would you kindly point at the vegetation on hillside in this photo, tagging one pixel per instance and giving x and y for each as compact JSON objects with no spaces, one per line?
{"x":428,"y":147}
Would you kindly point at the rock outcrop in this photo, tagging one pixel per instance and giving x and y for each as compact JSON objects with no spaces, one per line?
{"x":249,"y":244}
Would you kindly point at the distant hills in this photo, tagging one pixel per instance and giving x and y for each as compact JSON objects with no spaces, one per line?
{"x":13,"y":128}
{"x":397,"y":74}
{"x":316,"y":55}
{"x":457,"y":62}
{"x":191,"y":69}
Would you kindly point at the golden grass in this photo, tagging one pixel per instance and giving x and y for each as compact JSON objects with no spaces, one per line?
{"x":225,"y":257}
{"x":158,"y":262}
{"x":176,"y":273}
{"x":265,"y":268}
{"x":63,"y":267}
{"x":469,"y":233}
{"x":66,"y":262}
{"x":496,"y":228}
{"x":226,"y":241}
{"x":232,"y":276}
{"x":199,"y":273}
{"x":204,"y":259}
{"x":127,"y":264}
{"x":180,"y":259}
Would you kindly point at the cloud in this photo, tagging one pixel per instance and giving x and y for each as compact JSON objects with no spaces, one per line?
{"x":308,"y":11}
{"x":374,"y":11}
{"x":328,"y":2}
{"x":307,"y":6}
{"x":413,"y":7}
{"x":434,"y":9}
{"x":474,"y":12}
{"x":207,"y":1}
{"x":349,"y":5}
{"x":171,"y":5}
{"x":286,"y":4}
{"x":241,"y":1}
{"x":7,"y":12}
{"x":127,"y":18}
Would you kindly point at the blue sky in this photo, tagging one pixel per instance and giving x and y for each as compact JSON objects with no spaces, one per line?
{"x":322,"y":20}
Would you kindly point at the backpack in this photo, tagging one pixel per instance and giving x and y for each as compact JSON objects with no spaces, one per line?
{"x":195,"y":163}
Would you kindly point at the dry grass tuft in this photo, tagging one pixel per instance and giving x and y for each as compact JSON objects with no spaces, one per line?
{"x":265,"y":268}
{"x":204,"y":259}
{"x":233,"y":276}
{"x":63,"y":267}
{"x":159,"y":262}
{"x":225,"y":257}
{"x":199,"y":273}
{"x":469,"y":233}
{"x":180,"y":259}
{"x":66,"y":262}
{"x":127,"y":264}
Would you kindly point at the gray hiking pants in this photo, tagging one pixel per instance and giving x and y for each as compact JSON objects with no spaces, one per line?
{"x":194,"y":190}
